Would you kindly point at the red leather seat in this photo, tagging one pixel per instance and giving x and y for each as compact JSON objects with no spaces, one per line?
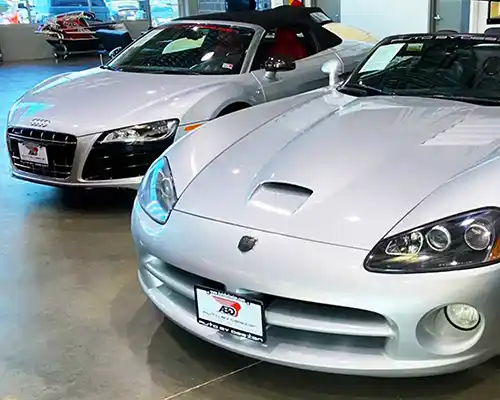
{"x":287,"y":44}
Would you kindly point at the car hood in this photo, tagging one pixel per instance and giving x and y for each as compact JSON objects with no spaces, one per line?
{"x":95,"y":100}
{"x":342,"y":172}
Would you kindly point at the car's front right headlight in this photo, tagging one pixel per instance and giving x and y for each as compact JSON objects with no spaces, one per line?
{"x":467,"y":240}
{"x":157,"y":195}
{"x":142,"y":133}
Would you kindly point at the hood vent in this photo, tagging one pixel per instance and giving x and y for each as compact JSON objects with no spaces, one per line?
{"x":473,"y":132}
{"x":279,"y":197}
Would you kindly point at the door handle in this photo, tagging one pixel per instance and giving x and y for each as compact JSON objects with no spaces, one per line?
{"x":437,"y":17}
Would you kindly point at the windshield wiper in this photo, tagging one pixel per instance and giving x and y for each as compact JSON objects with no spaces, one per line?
{"x":167,"y":72}
{"x":466,"y":99}
{"x":158,"y":71}
{"x":109,"y":68}
{"x":365,"y":89}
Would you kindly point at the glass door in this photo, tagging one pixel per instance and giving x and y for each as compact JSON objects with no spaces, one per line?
{"x":163,"y":11}
{"x":450,"y":15}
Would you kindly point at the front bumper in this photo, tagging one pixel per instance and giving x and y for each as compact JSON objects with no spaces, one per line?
{"x":82,"y":161}
{"x":326,"y":313}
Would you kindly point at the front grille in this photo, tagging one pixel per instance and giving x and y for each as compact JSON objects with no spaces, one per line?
{"x":122,"y":160}
{"x":60,"y":151}
{"x":284,"y":317}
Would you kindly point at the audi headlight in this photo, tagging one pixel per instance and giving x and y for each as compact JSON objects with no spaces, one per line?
{"x":157,"y":194}
{"x":151,"y":132}
{"x":467,"y":240}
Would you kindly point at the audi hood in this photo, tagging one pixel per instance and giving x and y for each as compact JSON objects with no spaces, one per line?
{"x":342,"y":172}
{"x":96,"y":100}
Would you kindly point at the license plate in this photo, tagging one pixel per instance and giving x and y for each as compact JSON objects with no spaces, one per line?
{"x":230,"y":313}
{"x":33,"y":153}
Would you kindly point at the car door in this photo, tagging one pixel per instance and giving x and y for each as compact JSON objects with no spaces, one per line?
{"x":305,"y":77}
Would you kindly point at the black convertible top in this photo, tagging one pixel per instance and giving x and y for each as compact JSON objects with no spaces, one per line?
{"x":279,"y":17}
{"x":272,"y":18}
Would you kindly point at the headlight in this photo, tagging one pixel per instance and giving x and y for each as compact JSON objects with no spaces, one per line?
{"x":157,"y":191}
{"x":467,"y":240}
{"x":151,"y":132}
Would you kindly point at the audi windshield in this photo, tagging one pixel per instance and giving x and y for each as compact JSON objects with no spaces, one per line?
{"x":190,"y":49}
{"x":461,"y":67}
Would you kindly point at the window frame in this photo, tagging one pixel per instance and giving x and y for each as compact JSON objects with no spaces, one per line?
{"x":301,"y":28}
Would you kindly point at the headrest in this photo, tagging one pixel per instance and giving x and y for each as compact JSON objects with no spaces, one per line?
{"x":492,"y":31}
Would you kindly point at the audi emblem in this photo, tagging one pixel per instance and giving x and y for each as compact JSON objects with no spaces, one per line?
{"x":39,"y":123}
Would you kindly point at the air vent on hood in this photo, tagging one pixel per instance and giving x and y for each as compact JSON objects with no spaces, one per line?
{"x":470,"y":133}
{"x":279,"y":197}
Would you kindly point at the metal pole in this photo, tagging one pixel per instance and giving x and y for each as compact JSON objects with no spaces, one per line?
{"x":147,"y":9}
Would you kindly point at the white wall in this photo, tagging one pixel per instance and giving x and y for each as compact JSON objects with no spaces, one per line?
{"x":386,"y":17}
{"x":479,"y":16}
{"x":277,"y":3}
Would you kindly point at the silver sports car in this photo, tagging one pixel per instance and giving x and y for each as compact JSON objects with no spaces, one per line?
{"x":105,"y":126}
{"x":353,"y":229}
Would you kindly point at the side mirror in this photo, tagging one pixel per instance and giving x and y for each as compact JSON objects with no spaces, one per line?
{"x":333,"y":69}
{"x":113,"y":53}
{"x":278,"y":63}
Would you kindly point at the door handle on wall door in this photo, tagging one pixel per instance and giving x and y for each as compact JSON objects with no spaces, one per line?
{"x":437,"y":17}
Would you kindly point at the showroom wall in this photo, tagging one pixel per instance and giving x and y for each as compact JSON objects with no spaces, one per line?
{"x":209,"y":6}
{"x":479,"y":17}
{"x":386,"y":17}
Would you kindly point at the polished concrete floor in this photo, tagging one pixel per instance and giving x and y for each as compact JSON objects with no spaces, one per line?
{"x":74,"y":324}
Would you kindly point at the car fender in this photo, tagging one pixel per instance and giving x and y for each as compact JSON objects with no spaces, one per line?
{"x":218,"y":97}
{"x":48,"y":81}
{"x":194,"y":152}
{"x":470,"y":190}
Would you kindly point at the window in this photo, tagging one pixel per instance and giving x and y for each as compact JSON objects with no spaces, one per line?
{"x":77,"y":3}
{"x":295,"y":43}
{"x":39,"y":11}
{"x":163,"y":11}
{"x":126,"y":10}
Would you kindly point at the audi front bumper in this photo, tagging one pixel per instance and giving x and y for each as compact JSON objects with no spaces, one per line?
{"x":70,"y":161}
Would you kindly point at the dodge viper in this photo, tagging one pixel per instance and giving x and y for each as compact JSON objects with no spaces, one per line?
{"x":104,"y":127}
{"x":353,"y":229}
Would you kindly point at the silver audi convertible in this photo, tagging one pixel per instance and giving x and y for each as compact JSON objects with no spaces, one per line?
{"x":104,"y":127}
{"x":353,"y":229}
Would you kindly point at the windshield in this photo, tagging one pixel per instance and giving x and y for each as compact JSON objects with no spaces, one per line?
{"x":187,"y":49}
{"x":461,"y":68}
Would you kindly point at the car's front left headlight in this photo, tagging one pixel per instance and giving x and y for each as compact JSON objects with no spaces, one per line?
{"x":141,"y":133}
{"x":157,"y":194}
{"x":467,"y":240}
